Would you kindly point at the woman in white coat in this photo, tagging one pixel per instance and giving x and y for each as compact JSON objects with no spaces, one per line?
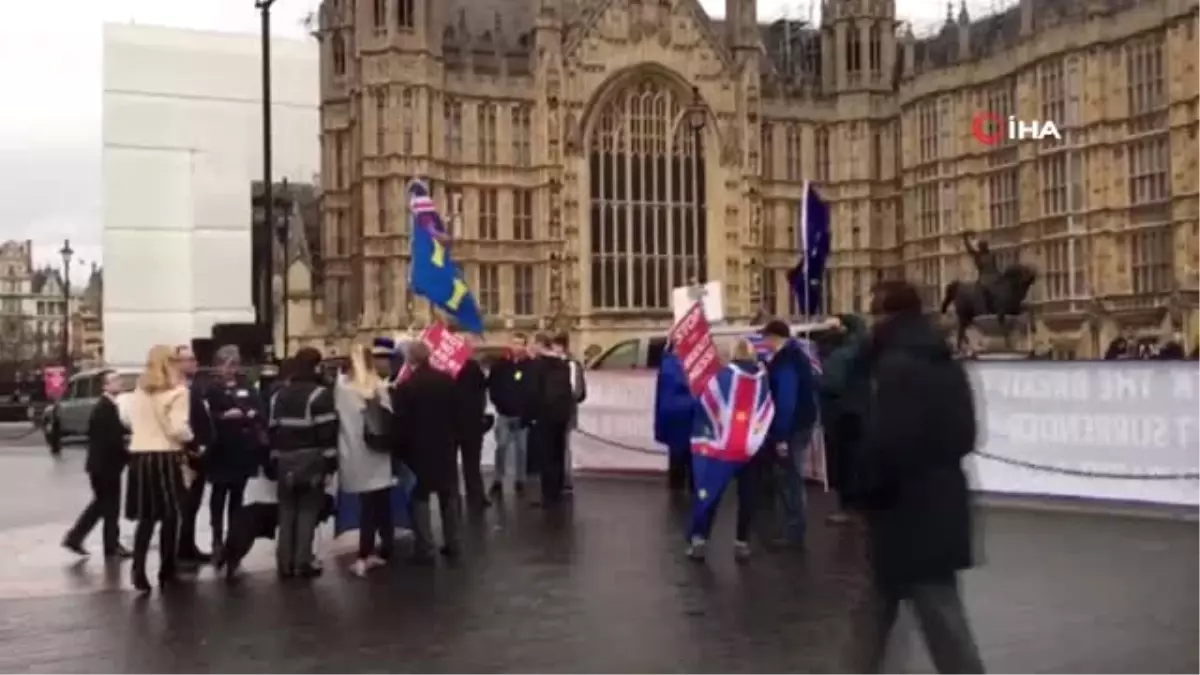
{"x":364,"y":470}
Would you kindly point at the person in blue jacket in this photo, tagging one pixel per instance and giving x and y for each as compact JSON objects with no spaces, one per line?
{"x":674,"y":410}
{"x":794,"y":390}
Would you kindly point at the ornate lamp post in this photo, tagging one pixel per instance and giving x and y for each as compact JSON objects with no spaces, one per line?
{"x":264,"y":285}
{"x":66,"y":252}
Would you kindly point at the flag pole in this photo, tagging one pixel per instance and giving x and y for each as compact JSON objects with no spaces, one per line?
{"x":804,"y":250}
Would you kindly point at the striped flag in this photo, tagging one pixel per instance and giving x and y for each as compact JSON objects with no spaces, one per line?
{"x":807,"y":346}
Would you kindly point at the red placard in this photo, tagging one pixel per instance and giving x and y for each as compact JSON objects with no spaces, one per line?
{"x":54,"y":379}
{"x":693,"y":344}
{"x":448,"y":352}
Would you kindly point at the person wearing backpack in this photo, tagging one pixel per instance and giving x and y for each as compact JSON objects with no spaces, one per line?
{"x":562,"y":347}
{"x":364,"y":459}
{"x":553,"y":408}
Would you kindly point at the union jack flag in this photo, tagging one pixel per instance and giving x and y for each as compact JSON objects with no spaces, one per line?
{"x":424,"y":211}
{"x":737,"y":415}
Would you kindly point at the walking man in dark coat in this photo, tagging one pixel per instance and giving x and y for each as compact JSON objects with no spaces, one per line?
{"x":106,"y":459}
{"x":920,"y":427}
{"x":427,"y":425}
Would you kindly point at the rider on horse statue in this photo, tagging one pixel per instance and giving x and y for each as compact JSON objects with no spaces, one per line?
{"x":985,"y":266}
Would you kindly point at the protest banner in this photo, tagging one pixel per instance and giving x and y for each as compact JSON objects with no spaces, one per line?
{"x":448,"y":352}
{"x":692,"y":341}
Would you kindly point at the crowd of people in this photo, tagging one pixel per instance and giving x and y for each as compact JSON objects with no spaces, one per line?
{"x":898,"y":415}
{"x":894,"y":403}
{"x":390,"y":419}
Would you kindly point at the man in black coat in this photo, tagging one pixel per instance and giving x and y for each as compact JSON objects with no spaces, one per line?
{"x":428,"y":417}
{"x":106,"y":459}
{"x":472,"y":392}
{"x":202,"y":432}
{"x":919,"y":427}
{"x":552,"y":407}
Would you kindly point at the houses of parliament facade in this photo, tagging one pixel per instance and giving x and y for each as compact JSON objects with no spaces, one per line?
{"x":590,"y":155}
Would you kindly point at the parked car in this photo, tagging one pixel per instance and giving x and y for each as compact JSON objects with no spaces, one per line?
{"x":67,"y":418}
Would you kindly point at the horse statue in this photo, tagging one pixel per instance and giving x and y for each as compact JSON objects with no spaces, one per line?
{"x":1003,"y":298}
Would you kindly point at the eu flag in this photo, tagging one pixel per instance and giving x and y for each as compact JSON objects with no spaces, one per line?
{"x":434,"y":275}
{"x":807,"y":278}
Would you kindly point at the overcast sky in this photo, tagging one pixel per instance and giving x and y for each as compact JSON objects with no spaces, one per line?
{"x":50,"y":72}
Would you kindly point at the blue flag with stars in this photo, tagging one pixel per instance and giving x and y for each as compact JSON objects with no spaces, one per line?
{"x":434,"y":276}
{"x":807,"y":278}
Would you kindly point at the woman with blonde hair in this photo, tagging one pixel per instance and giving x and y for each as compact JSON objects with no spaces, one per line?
{"x":159,"y":430}
{"x":364,"y":407}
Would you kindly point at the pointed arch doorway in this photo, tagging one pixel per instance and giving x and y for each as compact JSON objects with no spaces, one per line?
{"x":648,"y":199}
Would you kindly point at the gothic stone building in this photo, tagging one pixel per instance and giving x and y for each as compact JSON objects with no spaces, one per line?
{"x":592,"y":154}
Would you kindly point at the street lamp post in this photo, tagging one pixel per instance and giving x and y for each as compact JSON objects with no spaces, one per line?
{"x":283,"y":232}
{"x":266,"y":281}
{"x":66,"y":252}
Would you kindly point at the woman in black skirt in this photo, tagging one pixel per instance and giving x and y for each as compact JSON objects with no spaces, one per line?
{"x":158,"y":424}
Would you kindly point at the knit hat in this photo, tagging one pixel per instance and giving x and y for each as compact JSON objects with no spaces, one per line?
{"x":383,"y":346}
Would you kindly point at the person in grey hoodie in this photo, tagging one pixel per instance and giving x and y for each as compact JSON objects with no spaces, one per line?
{"x":364,"y":470}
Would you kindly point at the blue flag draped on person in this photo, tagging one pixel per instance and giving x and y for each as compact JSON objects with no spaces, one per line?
{"x":807,"y":278}
{"x":737,"y":414}
{"x":434,"y":275}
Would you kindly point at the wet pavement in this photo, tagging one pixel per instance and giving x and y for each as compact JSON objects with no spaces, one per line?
{"x":600,"y":587}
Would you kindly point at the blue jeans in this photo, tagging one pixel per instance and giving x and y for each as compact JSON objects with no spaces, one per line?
{"x":510,"y":436}
{"x":789,"y":473}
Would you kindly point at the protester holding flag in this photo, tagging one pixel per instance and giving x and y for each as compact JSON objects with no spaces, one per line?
{"x":434,"y":275}
{"x":793,"y":389}
{"x":736,"y":420}
{"x":674,"y":415}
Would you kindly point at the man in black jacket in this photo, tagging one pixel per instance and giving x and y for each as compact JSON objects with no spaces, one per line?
{"x":303,"y":431}
{"x":106,"y":458}
{"x":202,"y":431}
{"x":550,"y":413}
{"x":425,"y":432}
{"x":508,"y":387}
{"x":472,"y":392}
{"x":919,"y":428}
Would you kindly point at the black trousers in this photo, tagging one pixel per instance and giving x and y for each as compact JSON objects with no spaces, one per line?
{"x":375,"y":521}
{"x":189,"y":509}
{"x":106,"y":505}
{"x":940,"y":615}
{"x":422,"y":523}
{"x":548,"y":443}
{"x":168,"y":540}
{"x":471,"y":450}
{"x":225,"y":498}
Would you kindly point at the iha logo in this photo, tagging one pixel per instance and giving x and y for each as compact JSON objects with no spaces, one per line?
{"x":989,"y":129}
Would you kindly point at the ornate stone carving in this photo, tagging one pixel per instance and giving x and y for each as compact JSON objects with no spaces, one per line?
{"x":731,"y":145}
{"x":571,"y":134}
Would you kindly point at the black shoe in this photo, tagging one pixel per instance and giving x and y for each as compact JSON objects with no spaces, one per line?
{"x":786,"y":544}
{"x":118,"y":553}
{"x":75,"y":547}
{"x":140,"y":582}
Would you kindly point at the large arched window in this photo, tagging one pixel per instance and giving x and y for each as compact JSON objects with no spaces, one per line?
{"x":647,"y":196}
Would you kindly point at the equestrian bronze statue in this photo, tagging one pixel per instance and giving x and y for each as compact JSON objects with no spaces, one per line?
{"x":1001,"y":293}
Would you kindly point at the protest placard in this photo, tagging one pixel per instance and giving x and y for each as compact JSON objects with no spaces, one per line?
{"x":692,"y":341}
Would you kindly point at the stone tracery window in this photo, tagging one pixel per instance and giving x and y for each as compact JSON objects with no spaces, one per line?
{"x":648,"y":200}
